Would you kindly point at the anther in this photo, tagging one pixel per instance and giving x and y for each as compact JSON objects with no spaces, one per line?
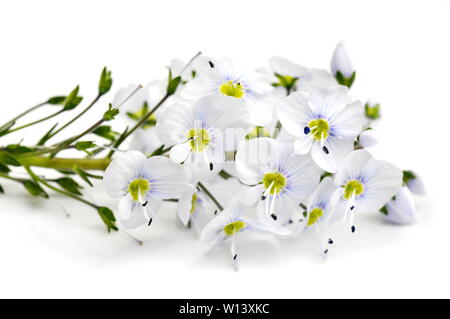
{"x":150,"y":221}
{"x":325,"y":251}
{"x":211,"y":64}
{"x":211,"y":166}
{"x":353,"y":229}
{"x":351,"y":208}
{"x":234,"y":257}
{"x":325,"y":150}
{"x":145,"y":204}
{"x":330,"y":241}
{"x":215,"y":212}
{"x":306,"y":130}
{"x":274,"y":217}
{"x":263,"y":197}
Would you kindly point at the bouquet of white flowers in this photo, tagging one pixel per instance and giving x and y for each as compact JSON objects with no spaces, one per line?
{"x":292,"y":139}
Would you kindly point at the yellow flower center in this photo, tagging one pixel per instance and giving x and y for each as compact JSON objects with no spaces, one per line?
{"x":138,"y":186}
{"x":319,"y":129}
{"x":314,"y":215}
{"x":232,"y":89}
{"x":234,"y":227}
{"x":353,"y":187}
{"x":277,"y":180}
{"x":199,"y":139}
{"x":193,"y":202}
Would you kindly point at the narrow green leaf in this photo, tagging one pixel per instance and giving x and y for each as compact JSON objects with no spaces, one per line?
{"x":82,"y":174}
{"x":33,"y":188}
{"x":85,"y":146}
{"x":56,"y":100}
{"x":18,"y":149}
{"x":47,"y":135}
{"x":8,"y":159}
{"x":108,"y":218}
{"x":5,"y":128}
{"x":4,"y":169}
{"x":69,"y":185}
{"x":173,"y":83}
{"x":106,"y":132}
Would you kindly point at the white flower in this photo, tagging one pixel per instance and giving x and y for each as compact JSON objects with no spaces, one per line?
{"x":194,"y":206}
{"x":340,"y":62}
{"x":222,"y":77}
{"x":319,"y":210}
{"x":231,"y":222}
{"x":401,"y":209}
{"x":198,"y":132}
{"x":142,"y":183}
{"x":365,"y":184}
{"x":368,"y":138}
{"x":324,"y":122}
{"x":280,"y":179}
{"x":414,"y":182}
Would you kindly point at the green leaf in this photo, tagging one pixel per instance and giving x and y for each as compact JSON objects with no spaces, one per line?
{"x":105,"y":82}
{"x":1,"y":190}
{"x":18,"y":149}
{"x":69,"y":185}
{"x":34,"y":189}
{"x":47,"y":135}
{"x":56,"y":100}
{"x":111,"y":113}
{"x":85,"y":146}
{"x":173,"y":83}
{"x":158,"y":151}
{"x":72,"y":99}
{"x":108,"y":218}
{"x":5,"y":128}
{"x":82,"y":174}
{"x":8,"y":159}
{"x":4,"y":169}
{"x":106,"y":132}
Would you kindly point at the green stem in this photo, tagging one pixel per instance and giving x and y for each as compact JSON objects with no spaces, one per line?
{"x":76,"y":117}
{"x":99,"y":164}
{"x":6,"y":176}
{"x":24,"y":113}
{"x":37,"y":179}
{"x":138,"y":124}
{"x":35,"y":122}
{"x":208,"y":193}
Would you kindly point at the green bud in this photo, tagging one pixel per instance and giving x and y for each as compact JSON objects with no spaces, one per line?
{"x":342,"y":80}
{"x":105,"y":82}
{"x":72,"y":99}
{"x":372,"y":111}
{"x":111,"y":113}
{"x":108,"y":218}
{"x":407,"y":176}
{"x":384,"y":210}
{"x":172,"y":83}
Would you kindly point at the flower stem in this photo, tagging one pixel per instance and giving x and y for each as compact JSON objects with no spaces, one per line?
{"x":208,"y":193}
{"x":76,"y":117}
{"x":66,"y":163}
{"x":138,"y":124}
{"x":35,"y":122}
{"x":37,"y":179}
{"x":24,"y":113}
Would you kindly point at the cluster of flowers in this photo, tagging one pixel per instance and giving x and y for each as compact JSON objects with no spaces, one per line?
{"x":294,"y":136}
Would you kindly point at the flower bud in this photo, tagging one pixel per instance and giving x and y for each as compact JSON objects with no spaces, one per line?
{"x":342,"y":67}
{"x":401,"y":210}
{"x":372,"y":110}
{"x":414,"y":183}
{"x":368,"y":138}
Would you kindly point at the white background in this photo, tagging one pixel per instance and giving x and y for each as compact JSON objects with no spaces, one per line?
{"x":401,"y":51}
